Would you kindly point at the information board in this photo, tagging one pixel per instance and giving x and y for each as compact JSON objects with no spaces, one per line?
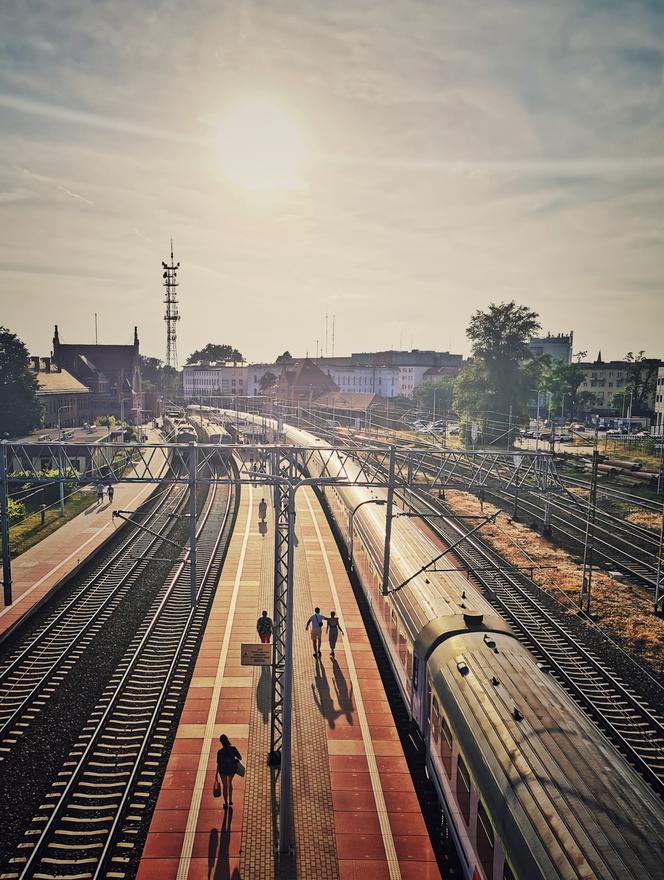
{"x":255,"y":654}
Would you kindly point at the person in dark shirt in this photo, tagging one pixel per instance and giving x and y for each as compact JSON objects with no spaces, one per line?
{"x":228,"y":758}
{"x":264,"y":627}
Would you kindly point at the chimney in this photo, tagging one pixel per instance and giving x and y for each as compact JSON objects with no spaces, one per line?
{"x":47,"y":365}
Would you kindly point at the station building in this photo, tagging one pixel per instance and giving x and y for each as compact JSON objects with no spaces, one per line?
{"x":111,"y":373}
{"x":65,"y":400}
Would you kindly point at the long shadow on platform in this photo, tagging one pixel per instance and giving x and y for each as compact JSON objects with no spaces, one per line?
{"x":218,"y":851}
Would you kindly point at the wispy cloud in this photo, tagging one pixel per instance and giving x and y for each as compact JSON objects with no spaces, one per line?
{"x":461,"y":152}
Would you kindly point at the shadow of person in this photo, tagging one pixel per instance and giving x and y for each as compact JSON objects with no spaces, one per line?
{"x":262,"y":528}
{"x":263,"y":693}
{"x":212,"y":850}
{"x":223,"y":869}
{"x":320,"y":690}
{"x":344,"y":696}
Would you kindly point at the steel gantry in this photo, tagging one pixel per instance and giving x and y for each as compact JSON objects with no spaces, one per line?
{"x":283,"y":469}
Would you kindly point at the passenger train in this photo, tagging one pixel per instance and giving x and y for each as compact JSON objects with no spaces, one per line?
{"x":529,"y":787}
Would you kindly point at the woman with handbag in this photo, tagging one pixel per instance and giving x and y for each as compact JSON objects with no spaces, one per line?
{"x":229,"y":762}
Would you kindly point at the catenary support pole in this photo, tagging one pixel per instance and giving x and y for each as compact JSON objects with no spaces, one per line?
{"x":586,"y":581}
{"x":192,"y":525}
{"x":388,"y":522}
{"x":61,"y":476}
{"x":658,"y":577}
{"x":4,"y":516}
{"x":285,"y":794}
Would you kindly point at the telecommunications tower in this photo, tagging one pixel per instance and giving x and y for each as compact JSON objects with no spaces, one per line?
{"x":171,"y":317}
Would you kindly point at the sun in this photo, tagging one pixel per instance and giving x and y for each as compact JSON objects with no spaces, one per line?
{"x":261,"y":146}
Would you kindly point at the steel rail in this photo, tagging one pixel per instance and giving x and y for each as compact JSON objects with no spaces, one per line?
{"x":637,"y":730}
{"x":120,"y":715}
{"x":71,"y":627}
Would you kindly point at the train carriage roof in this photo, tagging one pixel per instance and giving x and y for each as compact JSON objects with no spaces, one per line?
{"x":563,"y":799}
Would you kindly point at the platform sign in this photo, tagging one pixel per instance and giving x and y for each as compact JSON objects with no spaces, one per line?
{"x":252,"y":654}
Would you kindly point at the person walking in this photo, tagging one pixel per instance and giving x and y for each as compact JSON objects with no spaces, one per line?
{"x":262,"y":509}
{"x":316,"y":623}
{"x":333,"y":630}
{"x":100,"y":493}
{"x":110,"y":491}
{"x":264,"y":628}
{"x":228,"y":759}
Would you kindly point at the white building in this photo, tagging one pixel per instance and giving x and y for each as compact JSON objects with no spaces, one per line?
{"x":658,"y":429}
{"x":360,"y":379}
{"x":206,"y":381}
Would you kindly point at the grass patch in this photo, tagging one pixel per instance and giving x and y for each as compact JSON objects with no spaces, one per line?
{"x":26,"y":534}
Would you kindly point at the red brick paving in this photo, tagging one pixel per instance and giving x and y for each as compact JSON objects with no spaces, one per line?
{"x":325,"y":705}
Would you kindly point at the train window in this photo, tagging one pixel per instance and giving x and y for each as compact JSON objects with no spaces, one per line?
{"x":507,"y":873}
{"x":409,"y":663}
{"x":401,"y":647}
{"x":416,"y":673}
{"x":463,"y":789}
{"x":435,"y":719}
{"x":446,"y":746}
{"x":484,"y":840}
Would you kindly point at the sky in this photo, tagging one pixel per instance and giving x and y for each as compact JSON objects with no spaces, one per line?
{"x":395,"y":163}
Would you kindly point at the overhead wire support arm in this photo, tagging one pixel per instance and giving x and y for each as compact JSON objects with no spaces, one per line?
{"x":120,"y":514}
{"x":435,"y":559}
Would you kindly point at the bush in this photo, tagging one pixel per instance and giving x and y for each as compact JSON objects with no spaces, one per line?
{"x":16,"y":511}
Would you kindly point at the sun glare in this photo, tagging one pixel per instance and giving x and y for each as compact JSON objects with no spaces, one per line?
{"x":261,"y":146}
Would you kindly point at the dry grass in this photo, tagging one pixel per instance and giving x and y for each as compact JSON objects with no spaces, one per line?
{"x":624,"y":612}
{"x":648,"y":519}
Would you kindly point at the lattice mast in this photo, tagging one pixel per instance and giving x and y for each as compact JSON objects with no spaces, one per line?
{"x":170,"y":276}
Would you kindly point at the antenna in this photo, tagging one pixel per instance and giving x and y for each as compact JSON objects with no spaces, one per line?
{"x":325,"y":355}
{"x":170,"y":282}
{"x":96,"y":335}
{"x":334,"y":318}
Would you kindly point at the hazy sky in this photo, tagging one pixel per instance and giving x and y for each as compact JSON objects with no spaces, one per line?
{"x":416,"y":160}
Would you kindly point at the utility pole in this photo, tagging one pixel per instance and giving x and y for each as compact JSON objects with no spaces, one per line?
{"x":509,"y":428}
{"x":658,"y":576}
{"x":586,"y":582}
{"x":61,"y":475}
{"x":4,"y":516}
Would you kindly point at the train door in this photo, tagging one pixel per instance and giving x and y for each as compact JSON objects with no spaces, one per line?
{"x":417,"y":700}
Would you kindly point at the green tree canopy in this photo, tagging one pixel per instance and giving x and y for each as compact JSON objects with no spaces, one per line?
{"x":267,"y":380}
{"x":20,"y":411}
{"x":214,"y":352}
{"x":442,"y":389}
{"x":501,"y":373}
{"x":284,"y":358}
{"x":641,"y":381}
{"x":563,"y":381}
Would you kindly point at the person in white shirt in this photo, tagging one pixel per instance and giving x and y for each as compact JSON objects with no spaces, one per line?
{"x":316,"y":622}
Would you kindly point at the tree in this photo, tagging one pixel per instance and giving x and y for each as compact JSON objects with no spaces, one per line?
{"x":267,"y":380}
{"x":641,"y":381}
{"x":214,"y":352}
{"x":502,"y":373}
{"x":563,"y":381}
{"x":284,"y":358}
{"x":20,"y":411}
{"x":442,"y":389}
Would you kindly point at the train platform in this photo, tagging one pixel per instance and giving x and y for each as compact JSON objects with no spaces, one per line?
{"x":43,"y":568}
{"x":355,"y":813}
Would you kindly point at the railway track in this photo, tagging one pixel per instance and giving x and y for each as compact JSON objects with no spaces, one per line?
{"x":30,"y":674}
{"x":622,"y":714}
{"x":618,"y":544}
{"x":88,"y":822}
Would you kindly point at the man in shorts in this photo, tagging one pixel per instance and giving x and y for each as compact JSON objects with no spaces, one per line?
{"x":316,"y":622}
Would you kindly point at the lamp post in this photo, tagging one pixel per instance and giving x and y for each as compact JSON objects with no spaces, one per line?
{"x":122,"y":411}
{"x":381,"y":501}
{"x":61,"y":409}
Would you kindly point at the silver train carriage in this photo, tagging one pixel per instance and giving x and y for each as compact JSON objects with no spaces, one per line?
{"x":531,"y":789}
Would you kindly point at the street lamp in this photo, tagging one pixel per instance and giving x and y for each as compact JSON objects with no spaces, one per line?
{"x":381,"y":501}
{"x":61,"y":409}
{"x":122,"y":403}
